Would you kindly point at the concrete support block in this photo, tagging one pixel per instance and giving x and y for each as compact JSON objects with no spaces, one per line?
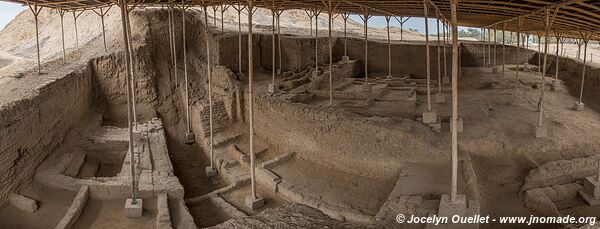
{"x":345,"y":59}
{"x":540,"y":131}
{"x":460,"y":207}
{"x":578,"y":106}
{"x":190,"y":138}
{"x":278,"y":72}
{"x":133,"y":210}
{"x":240,"y":75}
{"x":316,"y":73}
{"x":460,"y":125}
{"x":211,"y":171}
{"x":366,"y":87}
{"x":23,"y":203}
{"x":556,"y":85}
{"x":445,"y":80}
{"x":273,"y":88}
{"x":429,"y":117}
{"x":440,"y":98}
{"x":494,"y":69}
{"x":591,"y":191}
{"x":255,"y":203}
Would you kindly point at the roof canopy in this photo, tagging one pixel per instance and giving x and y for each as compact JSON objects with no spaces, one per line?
{"x":571,"y":16}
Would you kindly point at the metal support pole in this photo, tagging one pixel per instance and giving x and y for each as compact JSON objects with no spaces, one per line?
{"x":172,"y":43}
{"x":585,"y":44}
{"x":75,"y":16}
{"x":539,"y":52}
{"x":489,"y":63}
{"x":445,"y":61}
{"x":519,"y":26}
{"x":439,"y":53}
{"x":185,"y":72}
{"x":251,"y":98}
{"x":36,"y":11}
{"x":401,"y":21}
{"x":280,"y":71}
{"x":387,"y":19}
{"x":365,"y":19}
{"x":453,"y":191}
{"x":102,"y":13}
{"x":210,"y":97}
{"x":547,"y":24}
{"x":273,"y":57}
{"x":316,"y":14}
{"x":558,"y":38}
{"x":133,"y":74}
{"x":215,"y":8}
{"x":330,"y":47}
{"x":124,"y":12}
{"x":495,"y":47}
{"x":239,"y":9}
{"x":62,"y":12}
{"x":426,"y":13}
{"x":503,"y":48}
{"x":483,"y":46}
{"x":310,"y":16}
{"x":345,"y":17}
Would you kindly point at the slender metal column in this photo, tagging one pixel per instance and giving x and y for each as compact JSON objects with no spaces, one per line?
{"x":489,"y":63}
{"x":519,"y":26}
{"x":273,"y":57}
{"x":223,"y":9}
{"x":503,"y":48}
{"x":445,"y":61}
{"x":439,"y":53}
{"x":495,"y":46}
{"x":558,"y":34}
{"x":210,"y":96}
{"x":239,"y":9}
{"x":387,"y":19}
{"x":547,"y":25}
{"x":124,"y":12}
{"x":185,"y":72}
{"x":330,"y":10}
{"x":401,"y":21}
{"x":215,"y":8}
{"x":310,"y":16}
{"x":365,"y":19}
{"x":278,"y":14}
{"x":133,"y":74}
{"x":251,"y":98}
{"x":316,"y":14}
{"x":453,"y":191}
{"x":426,"y":13}
{"x":75,"y":16}
{"x":483,"y":46}
{"x":102,"y":13}
{"x":36,"y":11}
{"x":585,"y":40}
{"x":345,"y":16}
{"x":62,"y":12}
{"x":539,"y":52}
{"x":172,"y":42}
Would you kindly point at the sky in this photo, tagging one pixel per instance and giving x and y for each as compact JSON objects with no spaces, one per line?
{"x":8,"y":11}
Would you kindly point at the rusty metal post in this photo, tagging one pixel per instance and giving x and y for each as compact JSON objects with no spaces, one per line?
{"x":36,"y":11}
{"x":426,"y":13}
{"x":453,"y":191}
{"x":133,"y":74}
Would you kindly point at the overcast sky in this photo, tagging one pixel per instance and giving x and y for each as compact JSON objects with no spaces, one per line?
{"x":8,"y":11}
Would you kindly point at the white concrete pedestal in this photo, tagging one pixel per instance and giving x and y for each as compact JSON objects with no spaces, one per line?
{"x":315,"y":74}
{"x":429,"y":117}
{"x":278,"y":72}
{"x":210,"y":171}
{"x":540,"y":131}
{"x":133,"y":210}
{"x":190,"y":138}
{"x":254,"y":204}
{"x":460,"y":207}
{"x":345,"y":58}
{"x":591,"y":191}
{"x":440,"y":98}
{"x":445,"y":80}
{"x":273,"y":88}
{"x":556,"y":85}
{"x":366,"y":87}
{"x":578,"y":106}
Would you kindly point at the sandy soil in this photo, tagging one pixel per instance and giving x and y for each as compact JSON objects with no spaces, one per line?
{"x":109,"y":214}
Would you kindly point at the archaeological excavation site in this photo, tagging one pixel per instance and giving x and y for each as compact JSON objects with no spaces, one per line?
{"x":128,"y":114}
